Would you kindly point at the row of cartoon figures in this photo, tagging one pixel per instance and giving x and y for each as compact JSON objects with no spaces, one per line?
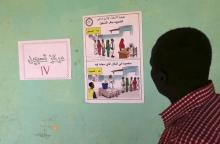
{"x":106,"y":48}
{"x":127,"y":85}
{"x":130,"y":85}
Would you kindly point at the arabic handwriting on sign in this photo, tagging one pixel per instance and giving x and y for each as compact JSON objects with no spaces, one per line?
{"x":37,"y":60}
{"x":115,"y":19}
{"x":127,"y":63}
{"x":55,"y":59}
{"x":44,"y":70}
{"x":103,"y":23}
{"x":116,"y":22}
{"x":108,"y":64}
{"x":114,"y":63}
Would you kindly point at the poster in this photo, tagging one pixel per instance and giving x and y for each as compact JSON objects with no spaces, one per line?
{"x":44,"y":59}
{"x":113,"y":58}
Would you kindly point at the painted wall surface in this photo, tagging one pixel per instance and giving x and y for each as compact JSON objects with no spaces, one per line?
{"x":54,"y":112}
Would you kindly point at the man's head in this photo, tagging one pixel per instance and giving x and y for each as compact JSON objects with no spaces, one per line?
{"x":180,"y":62}
{"x":91,"y":85}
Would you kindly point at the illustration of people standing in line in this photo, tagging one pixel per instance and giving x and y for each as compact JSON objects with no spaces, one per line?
{"x":122,"y":84}
{"x":103,"y":47}
{"x":121,"y":44}
{"x":131,"y":81}
{"x":127,"y":84}
{"x":112,"y":48}
{"x":95,"y":48}
{"x":91,"y":92}
{"x":134,"y":84}
{"x":108,"y":48}
{"x":99,"y":47}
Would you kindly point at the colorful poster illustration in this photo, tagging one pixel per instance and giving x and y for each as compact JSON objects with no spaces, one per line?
{"x":44,"y":59}
{"x":113,"y":58}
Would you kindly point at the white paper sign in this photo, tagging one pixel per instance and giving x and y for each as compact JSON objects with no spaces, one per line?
{"x":44,"y":59}
{"x":113,"y":58}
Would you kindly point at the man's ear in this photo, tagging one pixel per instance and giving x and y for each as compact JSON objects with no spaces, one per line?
{"x":162,"y":76}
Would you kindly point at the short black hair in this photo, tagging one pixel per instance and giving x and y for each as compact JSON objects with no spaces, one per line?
{"x":185,"y":52}
{"x":91,"y":84}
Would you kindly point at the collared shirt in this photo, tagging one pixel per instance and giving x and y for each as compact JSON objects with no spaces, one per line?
{"x":194,"y":119}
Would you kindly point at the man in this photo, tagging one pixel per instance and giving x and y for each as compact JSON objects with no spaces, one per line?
{"x":91,"y":92}
{"x":180,"y":61}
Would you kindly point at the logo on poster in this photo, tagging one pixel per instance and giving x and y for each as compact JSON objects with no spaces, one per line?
{"x":89,"y":22}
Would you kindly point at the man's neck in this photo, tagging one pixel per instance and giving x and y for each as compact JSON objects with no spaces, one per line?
{"x":182,"y":91}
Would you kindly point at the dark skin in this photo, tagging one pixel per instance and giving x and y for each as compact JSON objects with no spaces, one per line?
{"x":180,"y":62}
{"x":91,"y":84}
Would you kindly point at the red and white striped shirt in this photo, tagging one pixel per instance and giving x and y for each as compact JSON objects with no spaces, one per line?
{"x":194,"y":119}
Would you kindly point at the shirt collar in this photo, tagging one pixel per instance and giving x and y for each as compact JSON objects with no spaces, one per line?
{"x":192,"y":100}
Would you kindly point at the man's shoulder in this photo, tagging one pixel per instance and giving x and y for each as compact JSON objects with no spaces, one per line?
{"x":202,"y":124}
{"x":209,"y":112}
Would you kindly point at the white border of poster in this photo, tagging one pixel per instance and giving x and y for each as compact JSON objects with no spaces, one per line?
{"x":113,"y":58}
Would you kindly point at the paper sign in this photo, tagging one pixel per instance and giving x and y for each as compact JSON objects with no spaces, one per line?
{"x":113,"y":56}
{"x":44,"y":59}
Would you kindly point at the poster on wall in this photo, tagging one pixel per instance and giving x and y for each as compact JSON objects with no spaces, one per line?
{"x":44,"y":59}
{"x":113,"y":58}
